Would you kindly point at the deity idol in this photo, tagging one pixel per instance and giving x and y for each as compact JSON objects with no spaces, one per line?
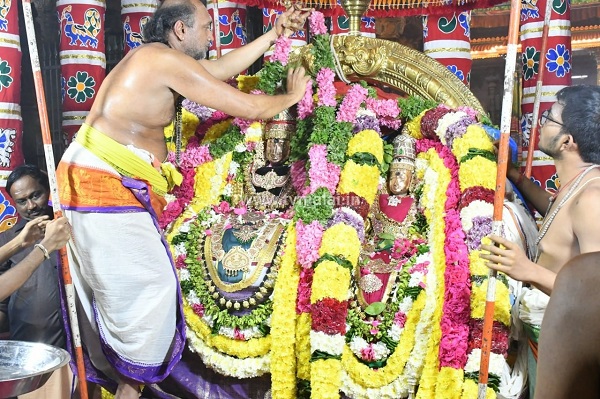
{"x":391,"y":217}
{"x":268,"y":182}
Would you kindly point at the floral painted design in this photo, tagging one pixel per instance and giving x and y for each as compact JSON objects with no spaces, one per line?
{"x":531,"y":62}
{"x":558,"y":60}
{"x":81,"y":87}
{"x":5,"y":78}
{"x":459,"y":74}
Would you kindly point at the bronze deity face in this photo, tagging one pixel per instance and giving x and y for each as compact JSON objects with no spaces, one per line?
{"x":277,"y":151}
{"x":399,"y":180}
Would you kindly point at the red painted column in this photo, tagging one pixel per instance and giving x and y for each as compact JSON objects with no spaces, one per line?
{"x":82,"y":58}
{"x":557,"y":74}
{"x":11,"y":122}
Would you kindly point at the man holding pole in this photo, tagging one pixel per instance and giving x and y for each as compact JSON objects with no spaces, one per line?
{"x":34,"y":309}
{"x":570,"y":134}
{"x":111,"y":188}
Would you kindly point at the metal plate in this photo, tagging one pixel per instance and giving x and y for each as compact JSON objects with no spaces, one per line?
{"x":26,"y":366}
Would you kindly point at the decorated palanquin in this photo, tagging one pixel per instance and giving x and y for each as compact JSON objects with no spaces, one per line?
{"x":335,"y":250}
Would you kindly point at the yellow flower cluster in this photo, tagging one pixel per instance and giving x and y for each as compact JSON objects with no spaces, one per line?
{"x":247,"y":83}
{"x":475,"y":137}
{"x":360,"y":180}
{"x":338,"y":281}
{"x":413,"y":127}
{"x":370,"y":378}
{"x":449,"y":384}
{"x":303,"y":327}
{"x":477,"y":171}
{"x":325,"y":376}
{"x":213,"y":175}
{"x":254,"y":347}
{"x":366,"y":141}
{"x":216,"y":131}
{"x":429,"y":378}
{"x":501,"y":310}
{"x":348,"y":247}
{"x":283,"y":321}
{"x":471,"y":390}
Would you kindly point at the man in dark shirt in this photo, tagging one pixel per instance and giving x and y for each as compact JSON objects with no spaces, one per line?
{"x":34,"y":310}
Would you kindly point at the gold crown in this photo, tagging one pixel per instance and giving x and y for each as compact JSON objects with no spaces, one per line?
{"x":404,"y":152}
{"x":281,"y":126}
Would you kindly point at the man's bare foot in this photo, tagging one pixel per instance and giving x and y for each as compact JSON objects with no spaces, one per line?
{"x":127,"y":390}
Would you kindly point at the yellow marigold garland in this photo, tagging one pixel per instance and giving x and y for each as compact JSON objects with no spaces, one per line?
{"x":216,"y":131}
{"x":283,"y":322}
{"x":370,"y":378}
{"x":366,"y":141}
{"x":189,"y":123}
{"x":241,"y":349}
{"x":303,"y":346}
{"x":475,"y":137}
{"x":338,"y":281}
{"x":413,"y":127}
{"x":501,"y":311}
{"x":449,"y":384}
{"x":333,"y":244}
{"x":476,"y":172}
{"x":359,"y":179}
{"x":471,"y":389}
{"x":325,"y":376}
{"x":430,"y":374}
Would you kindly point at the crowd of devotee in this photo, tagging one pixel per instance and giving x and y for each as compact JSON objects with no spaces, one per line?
{"x":234,"y":241}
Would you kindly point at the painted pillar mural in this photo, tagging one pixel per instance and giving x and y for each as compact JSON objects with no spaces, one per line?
{"x":447,"y":39}
{"x":11,"y":122}
{"x":229,"y":27}
{"x":557,"y":74}
{"x":82,"y":58}
{"x":134,"y":16}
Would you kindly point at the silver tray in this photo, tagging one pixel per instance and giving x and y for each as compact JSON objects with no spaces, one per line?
{"x":26,"y":366}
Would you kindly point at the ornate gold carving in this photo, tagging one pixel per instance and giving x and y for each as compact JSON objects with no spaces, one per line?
{"x":270,"y":180}
{"x":357,"y":55}
{"x":405,"y":69}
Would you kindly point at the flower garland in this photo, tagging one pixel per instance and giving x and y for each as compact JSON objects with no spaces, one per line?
{"x":428,"y":337}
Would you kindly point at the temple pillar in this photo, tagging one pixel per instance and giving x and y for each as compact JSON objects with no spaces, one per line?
{"x":557,"y":74}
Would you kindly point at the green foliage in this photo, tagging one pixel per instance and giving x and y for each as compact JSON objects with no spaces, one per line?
{"x":227,"y":142}
{"x":322,"y":53}
{"x":270,"y":75}
{"x":411,"y":107}
{"x":299,"y":142}
{"x":315,"y":206}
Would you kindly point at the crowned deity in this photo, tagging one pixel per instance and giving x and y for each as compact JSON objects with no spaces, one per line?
{"x":392,"y":217}
{"x":268,"y":181}
{"x":241,"y":254}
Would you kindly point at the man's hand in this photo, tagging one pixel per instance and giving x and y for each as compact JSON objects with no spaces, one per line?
{"x":510,"y":260}
{"x":291,"y":20}
{"x":58,"y":233}
{"x":296,"y":82}
{"x":33,"y":231}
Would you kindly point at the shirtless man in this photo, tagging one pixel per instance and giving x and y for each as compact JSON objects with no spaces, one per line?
{"x":570,"y":134}
{"x":569,"y":356}
{"x":112,"y":189}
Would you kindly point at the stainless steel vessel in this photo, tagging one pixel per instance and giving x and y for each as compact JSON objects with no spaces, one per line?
{"x":26,"y":366}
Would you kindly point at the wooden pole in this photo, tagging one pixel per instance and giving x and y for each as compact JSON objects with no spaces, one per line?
{"x":538,"y":90}
{"x":490,"y":300}
{"x":49,"y":154}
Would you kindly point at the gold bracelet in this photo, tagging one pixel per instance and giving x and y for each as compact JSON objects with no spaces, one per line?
{"x":44,"y":250}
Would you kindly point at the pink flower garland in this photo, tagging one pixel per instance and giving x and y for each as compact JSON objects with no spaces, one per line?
{"x":281,"y":53}
{"x":325,"y":88}
{"x":316,"y":23}
{"x":308,"y":242}
{"x":322,"y":173}
{"x":351,"y":104}
{"x":457,"y":296}
{"x":306,"y":105}
{"x":299,"y":178}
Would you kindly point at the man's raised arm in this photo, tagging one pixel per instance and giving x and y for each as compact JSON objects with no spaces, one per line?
{"x":241,"y":58}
